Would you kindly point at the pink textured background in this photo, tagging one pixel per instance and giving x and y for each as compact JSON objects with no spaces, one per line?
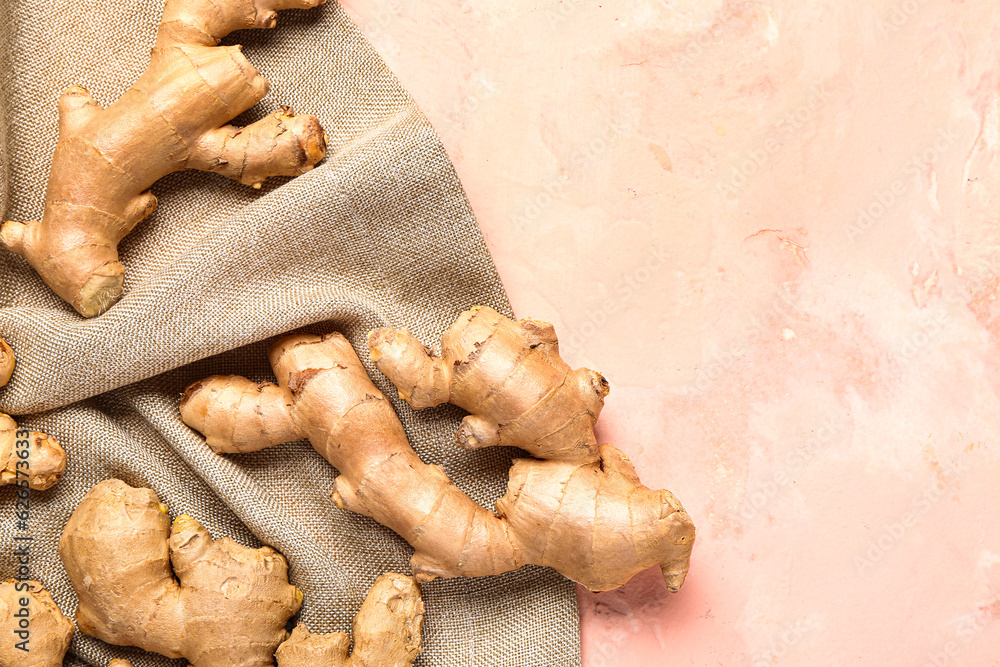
{"x":773,"y":226}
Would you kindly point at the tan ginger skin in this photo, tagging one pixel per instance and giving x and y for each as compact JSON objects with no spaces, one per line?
{"x":48,"y":632}
{"x":386,"y":630}
{"x":6,"y":362}
{"x":227,"y":606}
{"x":173,"y":118}
{"x":46,"y":459}
{"x":578,"y":508}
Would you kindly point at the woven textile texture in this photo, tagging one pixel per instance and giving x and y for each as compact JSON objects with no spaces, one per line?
{"x":379,"y":234}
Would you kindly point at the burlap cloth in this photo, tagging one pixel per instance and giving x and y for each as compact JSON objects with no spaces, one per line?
{"x":379,"y":234}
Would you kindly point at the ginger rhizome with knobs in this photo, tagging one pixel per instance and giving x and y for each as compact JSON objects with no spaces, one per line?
{"x":386,"y":632}
{"x":33,"y":456}
{"x":33,"y":631}
{"x":174,"y":117}
{"x":173,"y":589}
{"x":6,"y":362}
{"x":230,"y":607}
{"x":578,"y":508}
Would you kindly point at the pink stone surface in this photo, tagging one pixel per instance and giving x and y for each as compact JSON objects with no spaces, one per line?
{"x":774,"y":227}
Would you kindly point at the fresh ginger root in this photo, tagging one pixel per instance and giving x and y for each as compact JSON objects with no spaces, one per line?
{"x":33,"y":632}
{"x":229,"y":607}
{"x":386,"y":632}
{"x":45,"y":461}
{"x":6,"y":362}
{"x":581,"y":511}
{"x":173,"y":118}
{"x":508,"y":376}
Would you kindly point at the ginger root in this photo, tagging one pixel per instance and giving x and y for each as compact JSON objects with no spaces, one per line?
{"x":173,"y":118}
{"x":6,"y":362}
{"x":581,"y":510}
{"x":228,"y":604}
{"x":386,"y":631}
{"x":508,"y":376}
{"x":45,"y":462}
{"x":33,"y":632}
